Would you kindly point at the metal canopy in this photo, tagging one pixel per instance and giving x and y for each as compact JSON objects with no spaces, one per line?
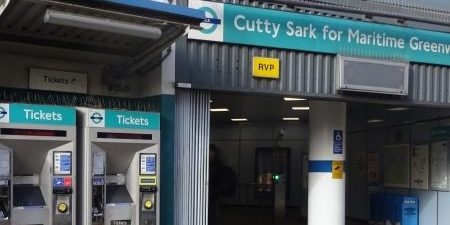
{"x":23,"y":21}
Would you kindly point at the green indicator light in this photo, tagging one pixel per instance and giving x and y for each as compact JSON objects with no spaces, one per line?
{"x":276,"y":177}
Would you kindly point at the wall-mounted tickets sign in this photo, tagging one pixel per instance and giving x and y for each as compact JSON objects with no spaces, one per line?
{"x":58,"y":80}
{"x":288,"y":30}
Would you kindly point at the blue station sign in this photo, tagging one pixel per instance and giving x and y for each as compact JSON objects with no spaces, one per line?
{"x":296,"y":31}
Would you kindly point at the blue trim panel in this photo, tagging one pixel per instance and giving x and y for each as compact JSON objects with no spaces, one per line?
{"x":167,"y":159}
{"x":320,"y":166}
{"x":165,"y":8}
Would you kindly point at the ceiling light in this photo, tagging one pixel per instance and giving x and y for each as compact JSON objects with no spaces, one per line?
{"x":288,"y":99}
{"x":397,"y":109}
{"x":375,"y":121}
{"x":239,"y":119}
{"x":101,"y":24}
{"x":291,"y":118}
{"x":3,"y":5}
{"x":300,"y":108}
{"x":219,"y":110}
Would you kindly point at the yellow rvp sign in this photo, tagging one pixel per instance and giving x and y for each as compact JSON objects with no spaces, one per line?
{"x":266,"y":67}
{"x":338,"y":170}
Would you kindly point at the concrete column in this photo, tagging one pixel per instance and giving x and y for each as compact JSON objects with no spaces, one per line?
{"x":326,"y":182}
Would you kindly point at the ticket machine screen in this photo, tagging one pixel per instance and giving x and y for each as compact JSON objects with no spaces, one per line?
{"x":62,"y":163}
{"x":148,"y":164}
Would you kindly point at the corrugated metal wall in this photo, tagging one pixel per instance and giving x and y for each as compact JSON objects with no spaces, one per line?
{"x":226,"y":67}
{"x":229,"y":67}
{"x":191,"y":157}
{"x":429,"y":84}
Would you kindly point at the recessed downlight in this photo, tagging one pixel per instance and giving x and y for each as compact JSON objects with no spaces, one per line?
{"x":290,"y":99}
{"x":398,"y":109}
{"x":291,"y":118}
{"x":375,"y":121}
{"x":300,"y":108}
{"x":239,"y":119}
{"x":219,"y":110}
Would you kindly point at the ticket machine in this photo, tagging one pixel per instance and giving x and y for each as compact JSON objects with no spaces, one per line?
{"x":37,"y":177}
{"x":119,"y":167}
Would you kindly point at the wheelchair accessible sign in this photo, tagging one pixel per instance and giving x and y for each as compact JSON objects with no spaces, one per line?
{"x":338,"y":142}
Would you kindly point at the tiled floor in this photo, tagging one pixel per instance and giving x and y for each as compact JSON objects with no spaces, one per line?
{"x":262,"y":216}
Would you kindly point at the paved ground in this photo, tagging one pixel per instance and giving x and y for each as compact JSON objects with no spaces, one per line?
{"x":262,"y":216}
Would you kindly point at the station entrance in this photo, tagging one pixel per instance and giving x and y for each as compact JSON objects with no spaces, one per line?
{"x":260,"y":149}
{"x":262,"y":142}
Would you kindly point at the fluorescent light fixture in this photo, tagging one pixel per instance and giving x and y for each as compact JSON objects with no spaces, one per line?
{"x":3,"y":5}
{"x":291,"y":118}
{"x":239,"y":119}
{"x":375,"y":121}
{"x":219,"y":110}
{"x":398,"y":109}
{"x":101,"y":24}
{"x":300,"y":108}
{"x":289,"y":99}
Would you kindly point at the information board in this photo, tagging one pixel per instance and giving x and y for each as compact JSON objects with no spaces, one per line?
{"x":438,"y":161}
{"x":62,"y":163}
{"x":419,"y":167}
{"x":396,"y":166}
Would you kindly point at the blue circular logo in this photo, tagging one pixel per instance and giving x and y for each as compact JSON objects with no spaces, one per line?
{"x":211,"y":22}
{"x":96,"y":118}
{"x":2,"y":112}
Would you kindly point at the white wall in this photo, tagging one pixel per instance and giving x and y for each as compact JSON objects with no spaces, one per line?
{"x":160,"y":80}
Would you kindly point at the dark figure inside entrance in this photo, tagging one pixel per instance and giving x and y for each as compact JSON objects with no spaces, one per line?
{"x":222,"y":183}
